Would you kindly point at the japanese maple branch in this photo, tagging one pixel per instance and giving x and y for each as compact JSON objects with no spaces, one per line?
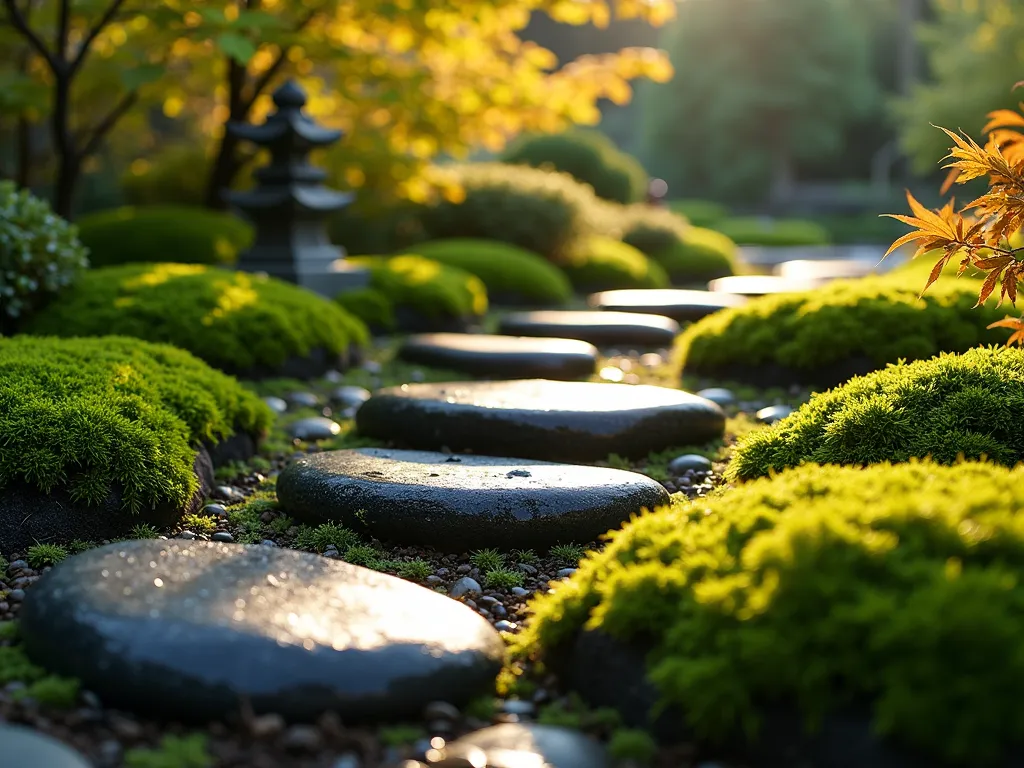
{"x":18,"y":21}
{"x":107,"y":123}
{"x":108,"y":16}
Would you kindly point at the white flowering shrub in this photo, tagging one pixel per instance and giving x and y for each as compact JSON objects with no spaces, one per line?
{"x":39,"y":254}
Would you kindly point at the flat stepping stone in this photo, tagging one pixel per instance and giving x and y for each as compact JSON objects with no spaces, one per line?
{"x":683,"y":306}
{"x":825,"y":270}
{"x":461,"y":503}
{"x":505,"y":357}
{"x":603,"y":329}
{"x":22,"y":747}
{"x":760,"y":285}
{"x":518,"y":745}
{"x":191,"y":630}
{"x":538,"y":419}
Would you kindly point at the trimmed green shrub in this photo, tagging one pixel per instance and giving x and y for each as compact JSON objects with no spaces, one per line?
{"x":780,"y":232}
{"x":176,"y":175}
{"x":898,"y":590}
{"x":589,"y":157}
{"x":235,"y":321}
{"x":700,"y":213}
{"x":601,"y":264}
{"x":877,"y":319}
{"x":509,"y":272}
{"x":432,"y":290}
{"x":540,"y":211}
{"x":163,"y":234}
{"x":942,"y":408}
{"x":371,"y":306}
{"x":85,"y":414}
{"x":689,"y":254}
{"x":40,"y":254}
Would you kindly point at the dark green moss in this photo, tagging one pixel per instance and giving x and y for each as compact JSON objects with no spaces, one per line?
{"x":431,"y":289}
{"x":950,"y":405}
{"x":235,"y":321}
{"x":509,"y":272}
{"x":163,"y":234}
{"x":898,"y":589}
{"x":601,"y":263}
{"x":773,"y":232}
{"x":880,"y":319}
{"x":371,"y":306}
{"x":86,"y":414}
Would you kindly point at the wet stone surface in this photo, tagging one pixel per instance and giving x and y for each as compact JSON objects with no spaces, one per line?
{"x":460,"y":503}
{"x":760,"y":285}
{"x":683,"y":306}
{"x":550,"y":420}
{"x":603,"y":329}
{"x":516,"y":745}
{"x":188,"y":630}
{"x":25,"y":748}
{"x":513,"y":357}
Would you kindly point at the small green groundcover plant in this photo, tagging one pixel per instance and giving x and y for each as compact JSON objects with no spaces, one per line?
{"x":602,"y":263}
{"x":40,"y":254}
{"x":431,"y":289}
{"x":86,"y":414}
{"x":942,"y":408}
{"x":163,"y":233}
{"x":880,"y":319}
{"x":508,"y":272}
{"x":235,"y":321}
{"x":895,"y":590}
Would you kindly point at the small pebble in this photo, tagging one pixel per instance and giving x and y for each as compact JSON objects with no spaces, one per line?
{"x":434,"y":580}
{"x":333,"y":376}
{"x":688,"y":461}
{"x":444,"y":573}
{"x":565,"y":573}
{"x":228,"y":494}
{"x":304,"y":399}
{"x":773,"y":413}
{"x":464,"y":568}
{"x":651,"y":360}
{"x":348,"y":760}
{"x":441,"y":710}
{"x":312,"y":429}
{"x":17,"y":565}
{"x":215,"y":510}
{"x":506,"y":626}
{"x":498,"y":611}
{"x":302,"y":737}
{"x":719,"y":395}
{"x":222,"y":536}
{"x":465,"y":586}
{"x":519,"y":591}
{"x":16,"y":595}
{"x":371,"y":367}
{"x":528,"y":569}
{"x":519,"y":707}
{"x":265,"y":726}
{"x":276,"y":404}
{"x":268,"y":543}
{"x":186,"y":535}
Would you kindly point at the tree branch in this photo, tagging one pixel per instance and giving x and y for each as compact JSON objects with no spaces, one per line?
{"x":103,"y":128}
{"x":60,"y":45}
{"x":94,"y":31}
{"x":17,"y":20}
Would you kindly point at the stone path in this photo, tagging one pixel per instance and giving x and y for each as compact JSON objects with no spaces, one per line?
{"x":824,"y":271}
{"x":760,"y":285}
{"x":508,"y":357}
{"x":683,"y":306}
{"x":462,"y":503}
{"x":602,"y":329}
{"x":537,"y":419}
{"x":515,"y":745}
{"x":189,"y":630}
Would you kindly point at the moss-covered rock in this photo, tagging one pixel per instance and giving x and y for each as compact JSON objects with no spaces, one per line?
{"x":512,"y":275}
{"x":892,"y":596}
{"x":422,"y":294}
{"x":945,"y":407}
{"x":845,"y":328}
{"x":246,"y":324}
{"x":603,"y":264}
{"x":111,"y":426}
{"x":163,"y":234}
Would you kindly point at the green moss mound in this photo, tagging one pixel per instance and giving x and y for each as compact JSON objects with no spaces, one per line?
{"x":778,"y":232}
{"x":540,"y":211}
{"x":88,"y":414}
{"x":432,"y":290}
{"x":235,"y":321}
{"x":948,"y":406}
{"x":163,"y":234}
{"x":588,"y":156}
{"x":371,"y":306}
{"x":700,"y":213}
{"x":897,"y":590}
{"x":874,"y":320}
{"x":602,"y":264}
{"x":509,"y":273}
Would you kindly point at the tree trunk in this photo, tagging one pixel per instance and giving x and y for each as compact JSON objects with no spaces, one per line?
{"x":222,"y":174}
{"x":23,"y":161}
{"x":68,"y":162}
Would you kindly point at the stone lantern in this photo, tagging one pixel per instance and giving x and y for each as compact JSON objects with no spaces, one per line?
{"x":289,"y":205}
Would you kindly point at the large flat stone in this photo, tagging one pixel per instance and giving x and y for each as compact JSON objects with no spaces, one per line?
{"x":506,"y":357}
{"x":538,"y":419}
{"x":22,"y":747}
{"x":191,"y":630}
{"x":829,"y":269}
{"x":603,"y":329}
{"x":460,"y":503}
{"x":522,"y":745}
{"x":683,"y":306}
{"x":760,"y":285}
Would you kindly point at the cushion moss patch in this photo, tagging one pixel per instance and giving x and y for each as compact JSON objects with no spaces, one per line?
{"x":952,"y":405}
{"x":233,"y":320}
{"x":87,"y":414}
{"x":432,"y":289}
{"x":895,"y":590}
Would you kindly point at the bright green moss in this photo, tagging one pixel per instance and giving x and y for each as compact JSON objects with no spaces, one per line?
{"x":701,"y":255}
{"x":163,"y":234}
{"x":899,"y":589}
{"x":773,"y":232}
{"x":509,"y":272}
{"x":233,"y":320}
{"x":965,"y":404}
{"x":880,"y":319}
{"x":433,"y":290}
{"x":173,"y":752}
{"x":601,"y":263}
{"x":86,"y":414}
